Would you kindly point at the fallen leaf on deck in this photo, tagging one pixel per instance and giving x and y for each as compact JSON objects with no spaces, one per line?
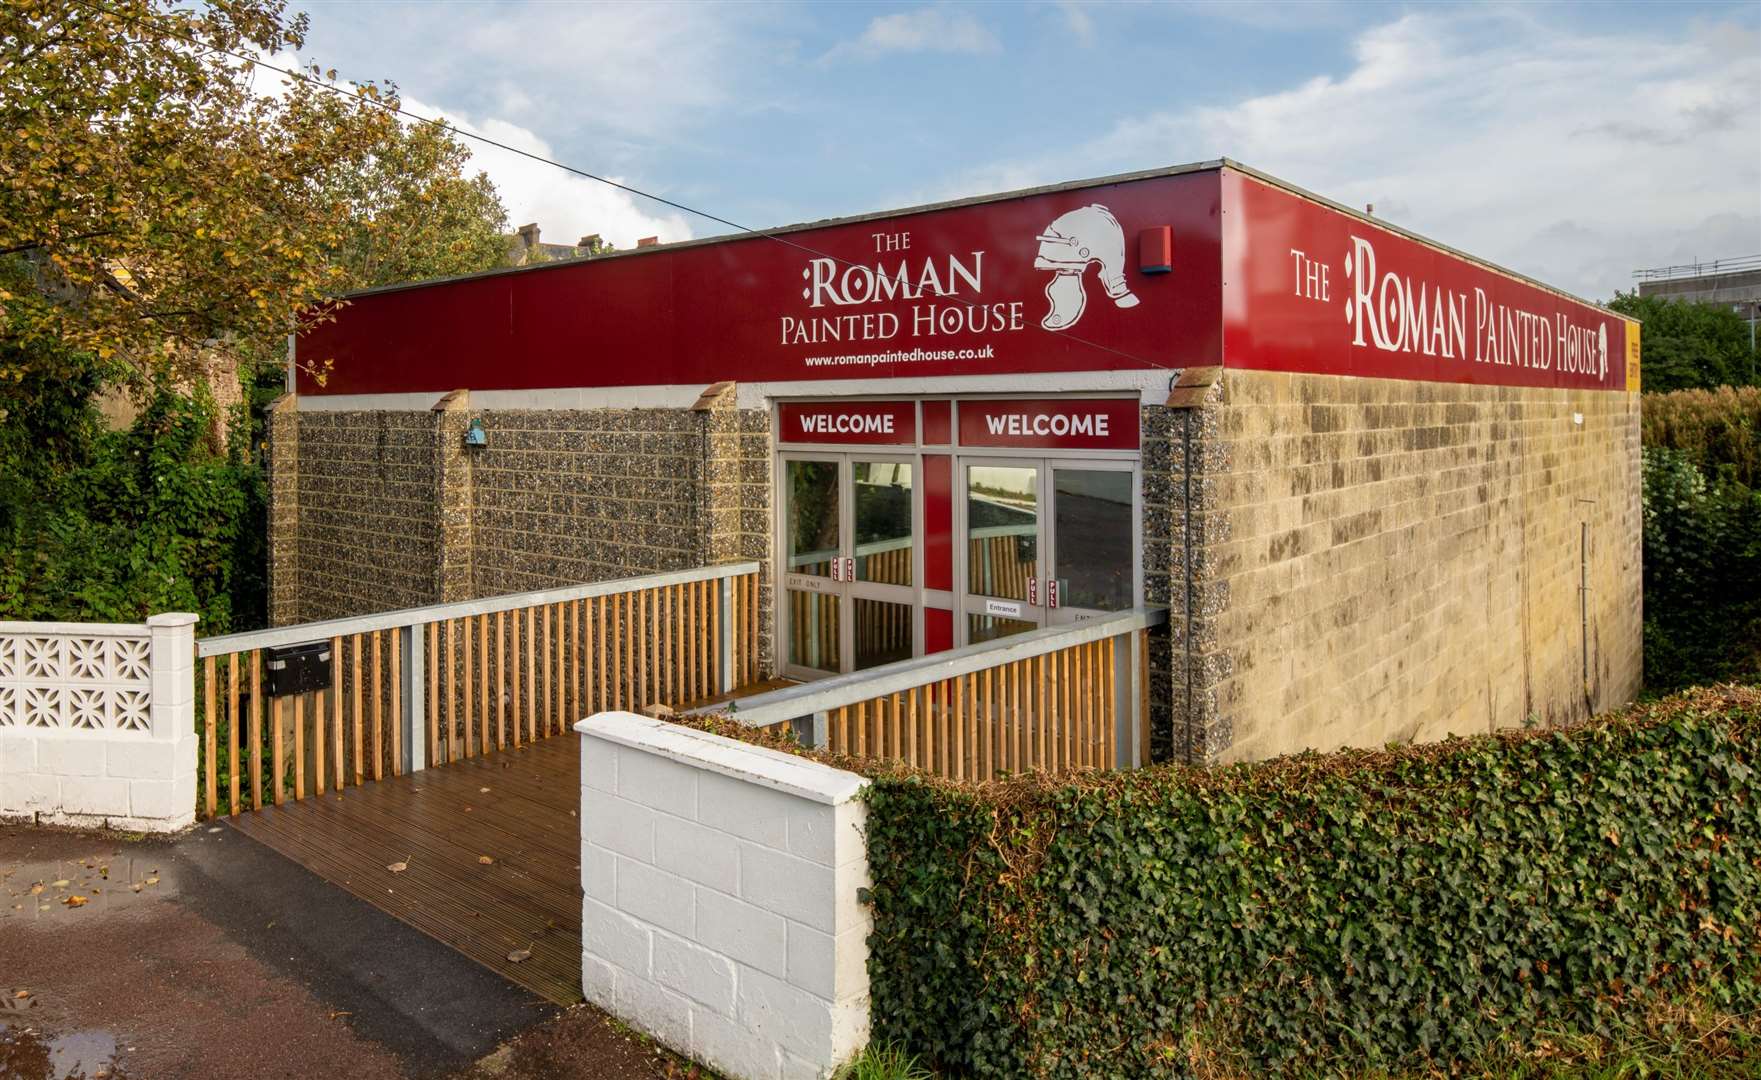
{"x":482,"y":791}
{"x":21,"y":995}
{"x":75,"y":901}
{"x":397,"y":867}
{"x":37,"y":889}
{"x":520,"y":956}
{"x":153,"y":880}
{"x":485,"y":860}
{"x":62,"y":884}
{"x":136,"y":886}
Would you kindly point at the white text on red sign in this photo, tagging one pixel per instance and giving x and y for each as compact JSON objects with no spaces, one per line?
{"x":1091,"y":424}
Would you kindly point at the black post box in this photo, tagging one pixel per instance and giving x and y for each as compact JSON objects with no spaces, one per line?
{"x":298,"y":669}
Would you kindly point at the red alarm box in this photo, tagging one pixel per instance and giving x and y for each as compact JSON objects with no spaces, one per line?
{"x":1155,"y":250}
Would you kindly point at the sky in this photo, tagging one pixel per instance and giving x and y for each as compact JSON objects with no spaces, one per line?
{"x":1573,"y":143}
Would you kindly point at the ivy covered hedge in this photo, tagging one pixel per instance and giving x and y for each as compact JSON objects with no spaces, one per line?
{"x":1395,"y":908}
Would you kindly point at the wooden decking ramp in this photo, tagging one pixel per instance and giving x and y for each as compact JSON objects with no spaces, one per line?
{"x":490,"y":852}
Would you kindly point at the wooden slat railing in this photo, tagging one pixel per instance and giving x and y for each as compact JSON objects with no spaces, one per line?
{"x":1054,"y":700}
{"x":421,"y":687}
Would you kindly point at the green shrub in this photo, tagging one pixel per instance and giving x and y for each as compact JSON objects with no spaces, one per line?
{"x":1403,"y":909}
{"x":113,"y":526}
{"x":1718,"y":430}
{"x":1702,"y":574}
{"x":1688,"y":345}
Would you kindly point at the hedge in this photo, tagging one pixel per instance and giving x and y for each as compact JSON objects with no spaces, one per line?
{"x":1413,"y":907}
{"x":1718,"y":430}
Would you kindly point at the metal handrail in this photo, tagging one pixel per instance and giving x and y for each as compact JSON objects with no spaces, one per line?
{"x":386,"y":620}
{"x":806,"y":699}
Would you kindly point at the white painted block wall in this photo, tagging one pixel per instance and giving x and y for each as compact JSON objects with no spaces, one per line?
{"x":721,"y":911}
{"x":97,"y":723}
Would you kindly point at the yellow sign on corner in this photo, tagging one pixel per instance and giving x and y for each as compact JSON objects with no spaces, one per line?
{"x":1632,"y":357}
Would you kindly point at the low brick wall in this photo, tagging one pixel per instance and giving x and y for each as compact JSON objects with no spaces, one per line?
{"x":721,"y":912}
{"x":97,"y":723}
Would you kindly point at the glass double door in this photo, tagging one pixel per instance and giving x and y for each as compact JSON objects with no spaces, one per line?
{"x":850,"y":560}
{"x":1046,"y":543}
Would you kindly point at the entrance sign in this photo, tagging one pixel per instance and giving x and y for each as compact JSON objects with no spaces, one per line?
{"x":1070,"y":424}
{"x":1315,"y":290}
{"x":1198,"y":266}
{"x":867,"y":423}
{"x":1042,"y":282}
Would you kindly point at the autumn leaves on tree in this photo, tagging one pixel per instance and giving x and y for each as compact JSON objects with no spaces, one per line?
{"x":159,"y":193}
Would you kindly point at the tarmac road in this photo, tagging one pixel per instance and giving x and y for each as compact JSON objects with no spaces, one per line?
{"x":212,"y":956}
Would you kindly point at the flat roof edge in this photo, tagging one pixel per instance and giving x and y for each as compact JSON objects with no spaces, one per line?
{"x":1417,"y":238}
{"x":1215,"y":165}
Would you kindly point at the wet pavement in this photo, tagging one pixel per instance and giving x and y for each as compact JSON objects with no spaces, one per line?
{"x":212,"y":956}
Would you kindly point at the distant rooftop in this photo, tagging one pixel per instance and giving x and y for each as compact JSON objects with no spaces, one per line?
{"x":1741,"y":264}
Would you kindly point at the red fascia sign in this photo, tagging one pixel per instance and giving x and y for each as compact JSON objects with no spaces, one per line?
{"x":866,"y":423}
{"x":1311,"y":289}
{"x":1070,"y":424}
{"x":1045,"y":282}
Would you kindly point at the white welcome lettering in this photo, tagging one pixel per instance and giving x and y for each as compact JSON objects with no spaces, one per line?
{"x":1020,"y":425}
{"x":847,"y":424}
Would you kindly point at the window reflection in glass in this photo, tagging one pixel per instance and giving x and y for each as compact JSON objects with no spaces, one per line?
{"x":1002,"y":529}
{"x":882,"y":633}
{"x":813,"y":630}
{"x":812,"y":488}
{"x":982,"y":628}
{"x":883,"y":521}
{"x":1091,"y":511}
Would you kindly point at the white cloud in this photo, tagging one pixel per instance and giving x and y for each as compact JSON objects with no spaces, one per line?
{"x":930,"y":29}
{"x":1575,"y":158}
{"x":637,"y":71}
{"x":1077,"y":21}
{"x":565,"y":206}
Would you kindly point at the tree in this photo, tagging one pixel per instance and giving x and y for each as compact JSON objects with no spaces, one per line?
{"x":416,"y":214}
{"x":165,"y":195}
{"x":1688,"y":346}
{"x":161,"y":201}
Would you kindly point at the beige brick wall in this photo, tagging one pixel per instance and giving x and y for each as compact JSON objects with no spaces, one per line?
{"x":737,"y":515}
{"x":1394,"y":561}
{"x":563,"y":497}
{"x":380,"y":510}
{"x":361,"y":533}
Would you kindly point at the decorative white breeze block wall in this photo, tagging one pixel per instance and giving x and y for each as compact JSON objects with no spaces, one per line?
{"x":98,"y":723}
{"x":721,"y":913}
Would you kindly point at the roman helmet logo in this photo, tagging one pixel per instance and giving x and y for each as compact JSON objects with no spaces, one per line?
{"x":1088,"y":234}
{"x":1602,"y":348}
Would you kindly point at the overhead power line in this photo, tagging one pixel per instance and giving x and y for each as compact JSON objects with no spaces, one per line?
{"x":399,"y":110}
